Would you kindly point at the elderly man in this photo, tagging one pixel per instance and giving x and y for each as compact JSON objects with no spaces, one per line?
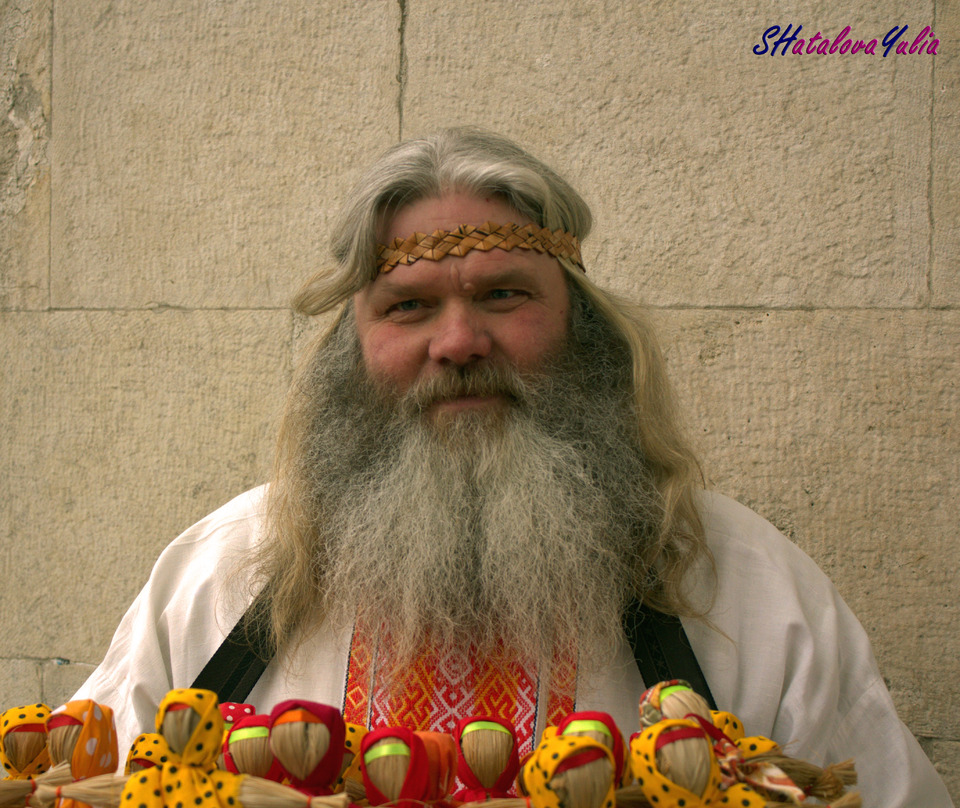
{"x":479,"y":475}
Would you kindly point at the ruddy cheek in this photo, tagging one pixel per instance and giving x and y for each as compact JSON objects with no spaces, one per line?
{"x":392,"y":359}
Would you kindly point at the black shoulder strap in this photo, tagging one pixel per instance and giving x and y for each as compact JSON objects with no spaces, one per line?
{"x":659,"y":644}
{"x":238,"y":663}
{"x":662,"y":650}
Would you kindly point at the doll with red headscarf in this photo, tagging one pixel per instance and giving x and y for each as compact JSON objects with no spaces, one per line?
{"x":307,"y":739}
{"x":487,"y":758}
{"x":232,"y":711}
{"x":395,"y":768}
{"x":603,"y":729}
{"x":441,"y":751}
{"x":246,"y":749}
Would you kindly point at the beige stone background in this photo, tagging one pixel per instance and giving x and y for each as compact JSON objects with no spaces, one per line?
{"x":169,"y":168}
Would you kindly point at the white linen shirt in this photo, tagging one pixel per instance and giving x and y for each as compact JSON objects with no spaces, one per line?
{"x":784,"y":652}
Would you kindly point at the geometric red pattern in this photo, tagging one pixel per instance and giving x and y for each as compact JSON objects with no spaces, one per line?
{"x":434,"y":692}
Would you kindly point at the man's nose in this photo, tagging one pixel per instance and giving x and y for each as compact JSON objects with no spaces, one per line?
{"x":460,"y":338}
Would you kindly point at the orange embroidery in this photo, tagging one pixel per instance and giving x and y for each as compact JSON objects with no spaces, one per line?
{"x":435,"y":693}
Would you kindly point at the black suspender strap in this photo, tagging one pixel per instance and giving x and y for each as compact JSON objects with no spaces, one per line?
{"x":660,"y":647}
{"x":238,"y":663}
{"x":662,"y":650}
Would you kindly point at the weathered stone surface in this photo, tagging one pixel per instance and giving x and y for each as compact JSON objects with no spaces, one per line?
{"x":945,"y":186}
{"x":25,"y":32}
{"x":121,"y":429}
{"x":202,"y":149}
{"x":841,"y":428}
{"x":61,"y":679}
{"x":19,"y":682}
{"x":718,"y":177}
{"x":946,"y":758}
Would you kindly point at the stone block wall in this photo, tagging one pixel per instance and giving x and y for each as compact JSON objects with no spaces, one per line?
{"x":168,"y":173}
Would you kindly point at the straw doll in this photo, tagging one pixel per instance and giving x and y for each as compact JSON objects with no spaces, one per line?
{"x":674,"y":767}
{"x":16,"y":745}
{"x":441,"y":751}
{"x":148,"y":750}
{"x":673,"y":698}
{"x":487,"y":759}
{"x":307,"y":739}
{"x":23,"y":741}
{"x":570,"y":772}
{"x":83,"y":734}
{"x":232,"y":711}
{"x":191,"y":723}
{"x":246,"y":749}
{"x":350,"y":780}
{"x":737,"y":757}
{"x":761,"y":755}
{"x":395,"y":767}
{"x":602,"y":728}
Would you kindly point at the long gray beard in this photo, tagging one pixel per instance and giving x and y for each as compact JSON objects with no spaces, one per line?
{"x":515,"y":533}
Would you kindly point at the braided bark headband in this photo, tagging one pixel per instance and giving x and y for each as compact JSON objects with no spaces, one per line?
{"x":466,"y":237}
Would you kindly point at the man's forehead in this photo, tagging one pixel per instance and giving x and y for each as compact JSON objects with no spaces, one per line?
{"x":470,"y":273}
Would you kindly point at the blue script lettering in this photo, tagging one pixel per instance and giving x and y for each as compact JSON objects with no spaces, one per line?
{"x":892,"y":42}
{"x":773,"y":30}
{"x":786,"y":40}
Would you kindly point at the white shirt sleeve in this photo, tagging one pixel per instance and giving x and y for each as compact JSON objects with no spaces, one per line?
{"x":798,"y":666}
{"x":179,"y":618}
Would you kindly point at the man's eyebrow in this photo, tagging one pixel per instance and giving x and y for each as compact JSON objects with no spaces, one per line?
{"x":507,"y":277}
{"x":388,"y":286}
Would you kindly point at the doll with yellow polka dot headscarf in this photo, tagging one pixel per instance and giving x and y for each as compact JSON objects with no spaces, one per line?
{"x":190,"y":722}
{"x":148,"y":750}
{"x":762,"y":763}
{"x":674,"y":766}
{"x":350,"y":780}
{"x":601,"y":727}
{"x":570,"y":771}
{"x":761,"y":776}
{"x":675,"y":699}
{"x":23,"y":741}
{"x":24,"y":754}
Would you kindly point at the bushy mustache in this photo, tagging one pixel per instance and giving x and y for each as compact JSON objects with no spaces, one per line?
{"x":480,"y":380}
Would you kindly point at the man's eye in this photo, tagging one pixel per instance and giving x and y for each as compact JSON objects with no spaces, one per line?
{"x":502,"y":294}
{"x":406,"y":305}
